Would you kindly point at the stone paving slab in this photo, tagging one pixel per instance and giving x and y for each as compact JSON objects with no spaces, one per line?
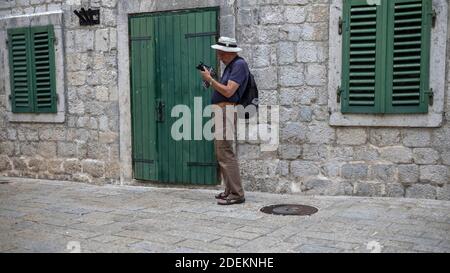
{"x":52,"y":216}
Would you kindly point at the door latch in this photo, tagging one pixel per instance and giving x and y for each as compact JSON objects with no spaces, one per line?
{"x":160,"y":111}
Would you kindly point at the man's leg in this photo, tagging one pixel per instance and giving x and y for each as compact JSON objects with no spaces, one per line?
{"x":230,"y":169}
{"x":220,"y":170}
{"x":226,"y":156}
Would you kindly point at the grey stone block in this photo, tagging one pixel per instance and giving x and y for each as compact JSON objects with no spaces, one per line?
{"x":93,"y":167}
{"x":305,"y":114}
{"x":383,"y":172}
{"x":368,"y":189}
{"x":347,"y":136}
{"x":290,"y":151}
{"x":408,"y":174}
{"x":366,"y":153}
{"x":425,"y":156}
{"x":443,"y":193}
{"x":304,"y":168}
{"x":384,"y":137}
{"x":395,"y":190}
{"x":55,"y":166}
{"x":331,"y":169}
{"x":295,"y":14}
{"x":315,"y":74}
{"x":36,"y":165}
{"x":266,"y":78}
{"x":311,"y":52}
{"x":291,"y":75}
{"x":318,"y":13}
{"x":262,"y":55}
{"x":321,"y":133}
{"x":72,"y":166}
{"x":5,"y":163}
{"x":416,"y":138}
{"x":421,"y":191}
{"x":271,"y":14}
{"x":446,"y":157}
{"x":67,"y":149}
{"x":286,"y":53}
{"x":354,"y":171}
{"x":397,"y":154}
{"x":316,"y":186}
{"x":434,"y":174}
{"x":314,"y":32}
{"x":293,"y":132}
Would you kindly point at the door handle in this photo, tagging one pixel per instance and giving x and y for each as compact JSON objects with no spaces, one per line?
{"x":160,"y":111}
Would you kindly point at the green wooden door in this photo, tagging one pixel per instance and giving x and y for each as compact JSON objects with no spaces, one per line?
{"x":164,"y":50}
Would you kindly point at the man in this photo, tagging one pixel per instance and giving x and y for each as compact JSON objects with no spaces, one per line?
{"x":226,"y":94}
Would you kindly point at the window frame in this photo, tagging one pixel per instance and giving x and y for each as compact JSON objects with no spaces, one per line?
{"x":30,"y":63}
{"x":437,"y":81}
{"x":383,"y":94}
{"x":54,"y":18}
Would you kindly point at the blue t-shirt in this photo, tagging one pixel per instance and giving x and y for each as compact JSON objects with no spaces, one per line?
{"x":237,"y":72}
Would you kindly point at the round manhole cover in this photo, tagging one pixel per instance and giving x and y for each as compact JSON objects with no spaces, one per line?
{"x":290,"y":209}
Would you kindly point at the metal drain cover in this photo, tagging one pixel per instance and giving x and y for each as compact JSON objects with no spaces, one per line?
{"x":290,"y":209}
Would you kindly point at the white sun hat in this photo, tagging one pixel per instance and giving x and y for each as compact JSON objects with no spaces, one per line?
{"x":227,"y":44}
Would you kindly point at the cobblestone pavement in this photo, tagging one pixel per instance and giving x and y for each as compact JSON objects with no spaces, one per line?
{"x":59,"y":216}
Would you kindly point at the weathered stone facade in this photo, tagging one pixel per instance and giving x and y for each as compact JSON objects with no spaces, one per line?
{"x":286,"y":43}
{"x":85,"y":147}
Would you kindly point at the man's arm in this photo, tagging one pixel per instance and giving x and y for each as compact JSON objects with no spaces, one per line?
{"x":226,"y":90}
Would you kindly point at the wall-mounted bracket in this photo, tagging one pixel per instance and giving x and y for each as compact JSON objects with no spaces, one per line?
{"x":88,"y":17}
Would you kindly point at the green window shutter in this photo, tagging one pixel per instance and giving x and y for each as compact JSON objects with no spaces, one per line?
{"x":408,"y":56}
{"x":362,"y":53}
{"x":43,"y":68}
{"x":20,"y":70}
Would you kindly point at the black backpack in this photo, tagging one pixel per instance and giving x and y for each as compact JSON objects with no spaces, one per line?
{"x":249,"y":97}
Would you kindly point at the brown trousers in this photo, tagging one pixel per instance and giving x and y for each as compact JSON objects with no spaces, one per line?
{"x":225,"y":133}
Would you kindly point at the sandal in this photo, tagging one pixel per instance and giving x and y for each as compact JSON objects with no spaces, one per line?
{"x":221,"y":195}
{"x":229,"y":201}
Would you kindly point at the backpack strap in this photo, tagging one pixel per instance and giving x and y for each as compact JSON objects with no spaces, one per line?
{"x":230,"y":65}
{"x":246,"y":87}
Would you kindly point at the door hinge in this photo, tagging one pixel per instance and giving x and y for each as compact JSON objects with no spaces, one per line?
{"x":340,"y":25}
{"x":140,"y":160}
{"x":202,"y":164}
{"x":200,"y":34}
{"x":433,"y":18}
{"x":338,"y":93}
{"x":57,"y":98}
{"x":7,"y":42}
{"x":141,"y":38}
{"x":430,"y":94}
{"x":10,"y":97}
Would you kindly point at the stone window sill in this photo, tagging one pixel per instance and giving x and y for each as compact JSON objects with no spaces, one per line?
{"x":58,"y":117}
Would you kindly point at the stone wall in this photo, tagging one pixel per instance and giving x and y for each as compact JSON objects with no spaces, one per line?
{"x":286,"y":43}
{"x":86,"y":146}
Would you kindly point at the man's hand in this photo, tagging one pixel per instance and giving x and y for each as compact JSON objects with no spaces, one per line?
{"x":206,"y":75}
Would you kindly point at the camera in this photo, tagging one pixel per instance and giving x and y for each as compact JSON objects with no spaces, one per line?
{"x":202,"y":67}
